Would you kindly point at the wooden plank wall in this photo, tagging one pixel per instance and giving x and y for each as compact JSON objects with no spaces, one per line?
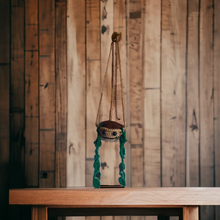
{"x":53,"y":56}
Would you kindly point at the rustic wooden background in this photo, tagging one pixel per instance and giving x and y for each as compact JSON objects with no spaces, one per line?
{"x":53,"y":55}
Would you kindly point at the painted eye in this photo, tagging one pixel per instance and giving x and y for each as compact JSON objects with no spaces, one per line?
{"x":104,"y":132}
{"x":114,"y":133}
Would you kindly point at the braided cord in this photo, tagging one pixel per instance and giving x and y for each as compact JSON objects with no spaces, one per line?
{"x":122,"y":140}
{"x":97,"y":164}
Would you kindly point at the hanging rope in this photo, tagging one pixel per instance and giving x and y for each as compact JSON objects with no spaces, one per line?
{"x":116,"y":37}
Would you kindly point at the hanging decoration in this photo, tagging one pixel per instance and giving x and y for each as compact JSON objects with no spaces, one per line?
{"x":111,"y":131}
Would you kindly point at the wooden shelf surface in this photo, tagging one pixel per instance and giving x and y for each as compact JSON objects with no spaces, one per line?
{"x":126,"y":197}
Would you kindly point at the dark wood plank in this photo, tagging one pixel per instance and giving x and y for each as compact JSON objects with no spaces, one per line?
{"x":61,"y":95}
{"x":47,"y":92}
{"x":4,"y":105}
{"x":31,"y":94}
{"x":17,"y":96}
{"x":206,"y":92}
{"x":115,"y":212}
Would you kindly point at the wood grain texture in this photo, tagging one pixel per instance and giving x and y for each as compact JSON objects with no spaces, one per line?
{"x":151,"y":71}
{"x":61,"y":95}
{"x":192,"y":139}
{"x":136,"y":94}
{"x":17,"y":96}
{"x":206,"y":102}
{"x":31,"y":93}
{"x":93,"y":89}
{"x":217,"y":98}
{"x":47,"y":92}
{"x":4,"y":105}
{"x":173,"y":92}
{"x":108,"y":151}
{"x":190,"y":213}
{"x":115,"y":197}
{"x":76,"y":93}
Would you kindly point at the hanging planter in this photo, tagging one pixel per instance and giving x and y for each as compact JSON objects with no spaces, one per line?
{"x":111,"y":131}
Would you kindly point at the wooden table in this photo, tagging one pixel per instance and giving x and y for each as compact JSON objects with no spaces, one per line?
{"x":164,"y":201}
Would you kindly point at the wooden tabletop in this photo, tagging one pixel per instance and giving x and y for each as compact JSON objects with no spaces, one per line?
{"x":117,"y":197}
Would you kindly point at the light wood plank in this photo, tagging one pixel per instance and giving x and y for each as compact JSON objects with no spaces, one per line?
{"x":191,"y":213}
{"x":217,"y":97}
{"x":151,"y":69}
{"x":117,"y":197}
{"x":206,"y":102}
{"x":192,"y":139}
{"x":4,"y":105}
{"x":108,"y":151}
{"x":173,"y":92}
{"x":61,"y":95}
{"x":120,"y":26}
{"x":47,"y":92}
{"x":136,"y":93}
{"x":93,"y":89}
{"x":76,"y":93}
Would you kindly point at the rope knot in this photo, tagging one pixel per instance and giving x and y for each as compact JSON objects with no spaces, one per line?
{"x":116,"y":37}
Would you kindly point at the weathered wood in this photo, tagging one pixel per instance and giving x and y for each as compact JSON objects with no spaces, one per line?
{"x":217,"y":98}
{"x":93,"y":89}
{"x":136,"y":97}
{"x":192,"y":139}
{"x":190,"y":213}
{"x":17,"y":96}
{"x":31,"y":119}
{"x":206,"y":92}
{"x":173,"y":92}
{"x":108,"y":151}
{"x":4,"y":105}
{"x":76,"y":93}
{"x":61,"y":95}
{"x":116,"y":197}
{"x":47,"y":92}
{"x":151,"y":71}
{"x":31,"y":94}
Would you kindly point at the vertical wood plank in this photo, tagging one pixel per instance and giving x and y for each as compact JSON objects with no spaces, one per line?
{"x":42,"y":213}
{"x":136,"y":88}
{"x":120,"y":25}
{"x":34,"y":213}
{"x":217,"y":98}
{"x":173,"y":92}
{"x":76,"y":93}
{"x":151,"y":69}
{"x":206,"y":102}
{"x":192,"y":145}
{"x":93,"y":89}
{"x":31,"y":94}
{"x":47,"y":92}
{"x":17,"y":95}
{"x":108,"y":151}
{"x":61,"y":95}
{"x":4,"y":105}
{"x":190,"y":213}
{"x":136,"y":94}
